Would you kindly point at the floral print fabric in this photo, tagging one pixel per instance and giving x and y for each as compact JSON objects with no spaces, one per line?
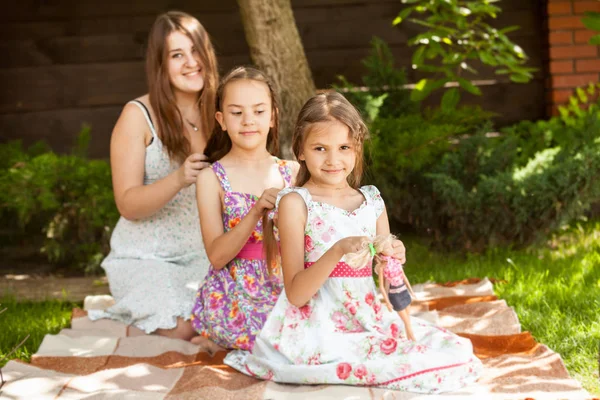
{"x":343,"y":335}
{"x":233,"y":302}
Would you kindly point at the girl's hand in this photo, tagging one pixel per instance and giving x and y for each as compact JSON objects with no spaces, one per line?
{"x":190,"y":168}
{"x":266,"y":201}
{"x":398,"y":251}
{"x":351,"y":244}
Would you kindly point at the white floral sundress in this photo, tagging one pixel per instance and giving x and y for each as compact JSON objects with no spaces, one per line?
{"x":344,"y":335}
{"x":156,"y":264}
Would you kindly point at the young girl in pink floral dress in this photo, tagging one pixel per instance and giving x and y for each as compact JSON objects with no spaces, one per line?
{"x":233,"y":197}
{"x":328,"y":326}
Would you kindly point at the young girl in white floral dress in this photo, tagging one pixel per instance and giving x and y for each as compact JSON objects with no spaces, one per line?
{"x":327,"y":326}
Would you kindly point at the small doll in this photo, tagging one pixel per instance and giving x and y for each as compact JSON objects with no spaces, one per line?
{"x":393,"y":284}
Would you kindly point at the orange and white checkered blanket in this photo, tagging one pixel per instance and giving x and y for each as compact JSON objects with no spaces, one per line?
{"x":106,"y":359}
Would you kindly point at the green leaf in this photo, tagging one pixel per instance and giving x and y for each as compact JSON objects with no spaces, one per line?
{"x":483,"y":8}
{"x":464,"y":11}
{"x":519,"y":51}
{"x":469,"y":87}
{"x":374,"y":105}
{"x":595,"y":40}
{"x":430,"y":68}
{"x":432,"y":51}
{"x":592,"y":20}
{"x":581,"y":94}
{"x":563,"y":111}
{"x":419,"y":91}
{"x":488,"y":59}
{"x":402,"y":15}
{"x":450,"y":99}
{"x":519,"y":78}
{"x":573,"y":101}
{"x":508,"y":29}
{"x":452,"y":58}
{"x":467,"y":67}
{"x":419,"y":56}
{"x":424,"y":87}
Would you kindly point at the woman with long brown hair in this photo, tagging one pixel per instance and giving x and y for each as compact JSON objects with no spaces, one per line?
{"x":157,"y":258}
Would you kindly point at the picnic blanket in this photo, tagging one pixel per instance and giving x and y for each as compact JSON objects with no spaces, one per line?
{"x":106,"y":359}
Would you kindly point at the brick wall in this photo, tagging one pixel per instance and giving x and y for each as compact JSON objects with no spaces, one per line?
{"x":573,"y":62}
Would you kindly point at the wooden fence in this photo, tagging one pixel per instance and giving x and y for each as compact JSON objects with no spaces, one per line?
{"x":78,"y":61}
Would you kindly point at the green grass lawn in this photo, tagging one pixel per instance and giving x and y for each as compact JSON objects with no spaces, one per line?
{"x":555,"y":290}
{"x":30,"y":318}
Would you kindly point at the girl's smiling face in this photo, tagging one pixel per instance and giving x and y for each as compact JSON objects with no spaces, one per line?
{"x":329,"y":153}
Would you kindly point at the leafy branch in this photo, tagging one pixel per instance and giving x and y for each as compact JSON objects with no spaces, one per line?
{"x":457,"y":33}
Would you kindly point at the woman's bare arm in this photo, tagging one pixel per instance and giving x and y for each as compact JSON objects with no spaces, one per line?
{"x":127,"y":157}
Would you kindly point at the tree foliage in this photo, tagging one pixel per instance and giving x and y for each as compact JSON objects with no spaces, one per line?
{"x":456,"y":34}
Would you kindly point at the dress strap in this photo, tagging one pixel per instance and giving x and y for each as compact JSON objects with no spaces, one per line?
{"x":146,"y":113}
{"x":286,"y":171}
{"x":221,"y":176}
{"x":373,"y":197}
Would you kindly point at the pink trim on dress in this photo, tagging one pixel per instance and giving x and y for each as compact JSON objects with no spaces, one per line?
{"x":343,"y":270}
{"x":252,"y":251}
{"x":425,"y":371}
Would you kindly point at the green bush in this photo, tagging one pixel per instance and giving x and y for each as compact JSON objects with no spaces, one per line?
{"x":445,"y":173}
{"x":486,"y":205}
{"x":475,"y":190}
{"x":66,"y":198}
{"x":403,"y":149}
{"x":571,"y":128}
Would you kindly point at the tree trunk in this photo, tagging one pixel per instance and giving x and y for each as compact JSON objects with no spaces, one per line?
{"x":276,"y":48}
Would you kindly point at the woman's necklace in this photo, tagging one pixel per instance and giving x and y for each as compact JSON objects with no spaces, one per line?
{"x":194,"y":127}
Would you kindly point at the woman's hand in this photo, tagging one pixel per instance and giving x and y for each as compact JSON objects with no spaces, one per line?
{"x":188,"y":172}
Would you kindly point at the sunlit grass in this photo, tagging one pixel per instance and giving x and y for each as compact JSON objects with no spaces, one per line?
{"x":555,"y":290}
{"x":30,"y":318}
